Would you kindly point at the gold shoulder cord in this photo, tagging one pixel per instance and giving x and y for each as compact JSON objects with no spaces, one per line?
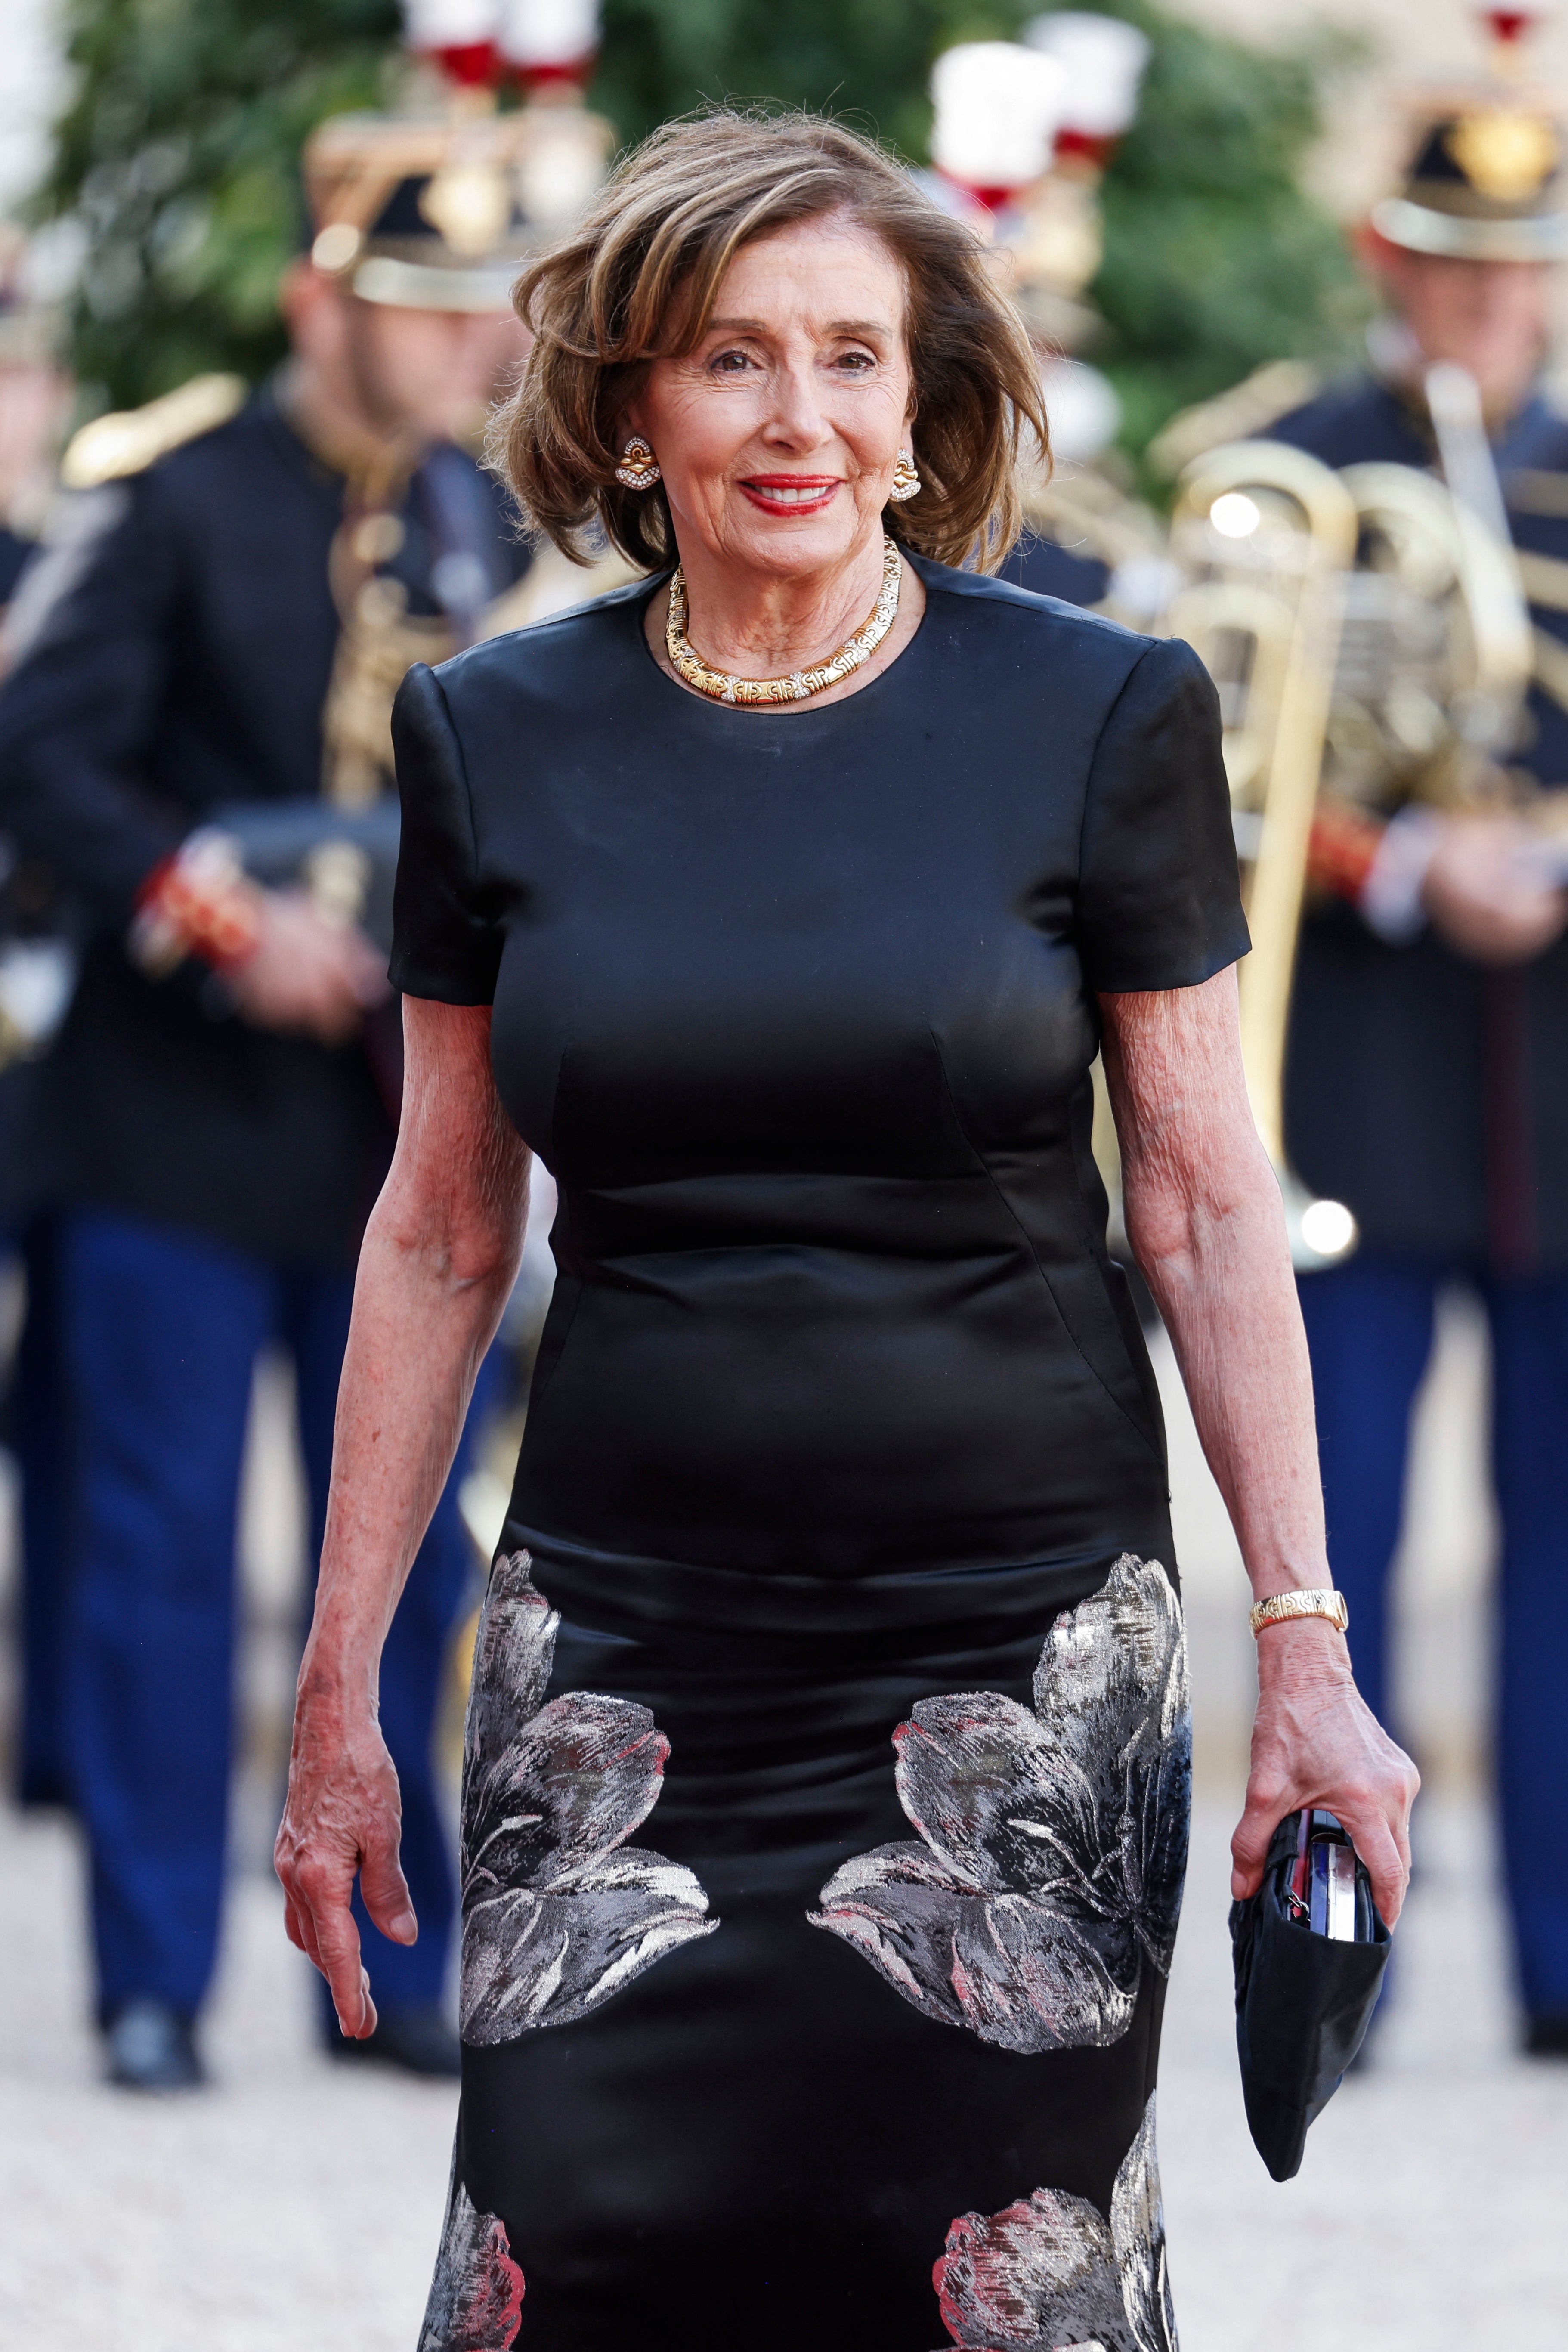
{"x":379,"y":642}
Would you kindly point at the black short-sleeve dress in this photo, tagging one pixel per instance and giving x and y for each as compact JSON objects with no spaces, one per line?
{"x":824,"y":1800}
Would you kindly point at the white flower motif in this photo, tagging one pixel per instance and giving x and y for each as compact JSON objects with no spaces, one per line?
{"x":558,"y":1912}
{"x":1054,"y":1843}
{"x":1051,"y":2272}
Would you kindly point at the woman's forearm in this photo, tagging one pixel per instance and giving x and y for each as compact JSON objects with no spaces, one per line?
{"x":435,"y":1274}
{"x":1207,"y":1224}
{"x":1204,"y":1219}
{"x":1225,"y":1296}
{"x":417,"y":1341}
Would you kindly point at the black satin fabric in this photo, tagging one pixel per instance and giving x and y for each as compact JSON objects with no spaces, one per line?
{"x":757,"y":2146}
{"x":799,"y":1011}
{"x":840,"y":1401}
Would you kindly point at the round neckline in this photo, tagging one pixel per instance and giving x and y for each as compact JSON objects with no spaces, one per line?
{"x":751,"y":716}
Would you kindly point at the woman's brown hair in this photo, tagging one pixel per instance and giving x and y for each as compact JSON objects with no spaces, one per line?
{"x":638,"y":277}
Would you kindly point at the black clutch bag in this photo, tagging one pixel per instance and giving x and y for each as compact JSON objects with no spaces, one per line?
{"x":1310,"y":1952}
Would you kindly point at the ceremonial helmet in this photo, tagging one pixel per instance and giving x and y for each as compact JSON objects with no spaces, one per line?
{"x":437,"y":206}
{"x":1021,"y":135}
{"x":1482,"y":182}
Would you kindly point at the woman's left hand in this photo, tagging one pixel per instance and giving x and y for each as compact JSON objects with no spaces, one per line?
{"x":1315,"y":1742}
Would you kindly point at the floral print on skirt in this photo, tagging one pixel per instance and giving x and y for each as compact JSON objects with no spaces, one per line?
{"x":780,"y":2050}
{"x":1054,"y":1840}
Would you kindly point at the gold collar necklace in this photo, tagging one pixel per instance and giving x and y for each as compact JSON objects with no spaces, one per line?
{"x":801,"y":683}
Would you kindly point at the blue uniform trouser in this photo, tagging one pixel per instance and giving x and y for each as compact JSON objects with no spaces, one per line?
{"x":40,"y":1441}
{"x":162,"y":1329}
{"x":1369,"y":1327}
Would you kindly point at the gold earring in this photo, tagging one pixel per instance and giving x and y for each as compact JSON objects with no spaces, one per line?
{"x":638,"y":469}
{"x":906,"y":481}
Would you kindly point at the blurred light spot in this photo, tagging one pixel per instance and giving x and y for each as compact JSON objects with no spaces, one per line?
{"x":1328,"y":1227}
{"x":1235,"y":516}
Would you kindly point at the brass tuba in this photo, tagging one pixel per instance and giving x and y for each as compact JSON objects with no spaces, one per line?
{"x":1369,"y":639}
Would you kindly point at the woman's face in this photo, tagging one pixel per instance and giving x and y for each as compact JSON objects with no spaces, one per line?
{"x":777,"y":435}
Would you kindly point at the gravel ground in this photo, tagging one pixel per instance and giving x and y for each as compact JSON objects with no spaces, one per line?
{"x":290,"y":2206}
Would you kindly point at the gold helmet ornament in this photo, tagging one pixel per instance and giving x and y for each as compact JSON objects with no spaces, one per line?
{"x":1482,"y":184}
{"x":439,"y":209}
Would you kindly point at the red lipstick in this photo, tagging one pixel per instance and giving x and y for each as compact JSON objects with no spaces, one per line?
{"x":791,"y":494}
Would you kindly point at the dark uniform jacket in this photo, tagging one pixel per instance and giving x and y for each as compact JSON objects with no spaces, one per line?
{"x":186,"y":667}
{"x":1048,"y":569}
{"x":1425,"y":1090}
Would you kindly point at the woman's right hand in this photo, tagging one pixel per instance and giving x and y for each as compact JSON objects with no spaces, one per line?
{"x":343,"y":1815}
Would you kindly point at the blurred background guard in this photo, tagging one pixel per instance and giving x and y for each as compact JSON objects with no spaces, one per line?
{"x":202,"y":685}
{"x":1428,"y":1074}
{"x":37,"y":972}
{"x":35,"y":401}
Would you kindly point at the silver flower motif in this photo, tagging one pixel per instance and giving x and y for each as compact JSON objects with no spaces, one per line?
{"x":1054,"y":1843}
{"x":558,"y":1911}
{"x":1051,"y":2272}
{"x":476,"y":2296}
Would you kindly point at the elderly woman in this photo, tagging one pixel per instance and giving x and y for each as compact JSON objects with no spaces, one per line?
{"x":825,"y":1803}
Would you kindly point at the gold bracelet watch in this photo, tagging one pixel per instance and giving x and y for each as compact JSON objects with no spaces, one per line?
{"x":1317,"y":1602}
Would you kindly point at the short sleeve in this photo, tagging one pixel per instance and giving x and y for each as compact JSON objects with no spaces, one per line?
{"x":446,"y":943}
{"x":1159,"y":902}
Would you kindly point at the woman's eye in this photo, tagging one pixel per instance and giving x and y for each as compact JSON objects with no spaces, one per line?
{"x":856,"y":362}
{"x":730,"y":362}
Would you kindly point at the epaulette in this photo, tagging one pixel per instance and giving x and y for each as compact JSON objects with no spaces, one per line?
{"x":1246,"y":410}
{"x":128,"y":440}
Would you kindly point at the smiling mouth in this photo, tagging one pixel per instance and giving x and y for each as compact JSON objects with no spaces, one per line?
{"x":791,"y":493}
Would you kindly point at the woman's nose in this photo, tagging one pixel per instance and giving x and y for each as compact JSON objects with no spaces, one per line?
{"x":796,"y":420}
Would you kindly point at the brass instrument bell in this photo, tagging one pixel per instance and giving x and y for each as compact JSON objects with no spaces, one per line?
{"x":1265,"y":537}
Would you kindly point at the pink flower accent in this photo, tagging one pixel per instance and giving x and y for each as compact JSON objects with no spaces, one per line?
{"x":476,"y":2296}
{"x":1051,"y":2272}
{"x":1040,"y":2273}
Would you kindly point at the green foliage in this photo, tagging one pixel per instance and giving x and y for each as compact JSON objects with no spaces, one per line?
{"x":865,"y":59}
{"x":178,"y":157}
